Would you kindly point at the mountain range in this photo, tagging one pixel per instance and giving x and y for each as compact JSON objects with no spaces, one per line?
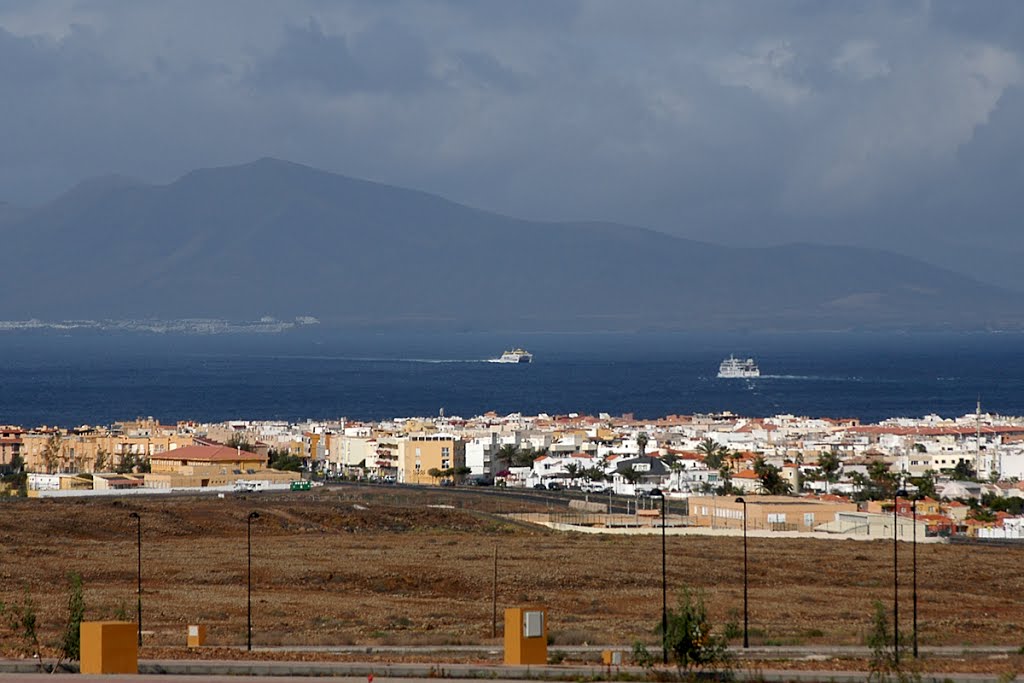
{"x":281,"y":239}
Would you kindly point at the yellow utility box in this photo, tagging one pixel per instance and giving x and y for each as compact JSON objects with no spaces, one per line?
{"x":196,"y":635}
{"x":526,"y":635}
{"x":611,"y":657}
{"x":109,"y":647}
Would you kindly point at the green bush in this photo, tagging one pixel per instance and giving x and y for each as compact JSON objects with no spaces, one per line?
{"x":691,"y":641}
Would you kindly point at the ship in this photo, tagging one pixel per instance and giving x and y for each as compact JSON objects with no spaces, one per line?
{"x":733,"y":367}
{"x":515,"y":355}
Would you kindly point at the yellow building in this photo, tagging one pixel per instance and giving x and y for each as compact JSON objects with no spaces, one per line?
{"x":777,"y":513}
{"x":419,"y":454}
{"x":200,"y":466}
{"x":96,"y":449}
{"x":10,"y":443}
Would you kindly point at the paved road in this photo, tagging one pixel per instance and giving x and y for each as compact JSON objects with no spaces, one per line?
{"x":758,"y":652}
{"x":179,"y":671}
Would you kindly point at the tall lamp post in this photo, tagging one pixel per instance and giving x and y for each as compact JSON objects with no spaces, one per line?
{"x":746,"y":639}
{"x":138,"y":574}
{"x":913,"y":512}
{"x":896,"y":575}
{"x":657,"y":493}
{"x":248,"y":535}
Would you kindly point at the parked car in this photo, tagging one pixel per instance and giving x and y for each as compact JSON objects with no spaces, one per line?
{"x":555,"y":486}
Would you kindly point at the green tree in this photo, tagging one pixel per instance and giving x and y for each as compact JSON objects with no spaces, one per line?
{"x":51,"y":452}
{"x":284,"y":461}
{"x":925,"y":484}
{"x":524,"y":457}
{"x":883,"y":481}
{"x":889,"y":661}
{"x":238,"y":440}
{"x":1008,"y":504}
{"x":99,"y":464}
{"x":862,"y":486}
{"x":435,"y":474}
{"x":15,"y":477}
{"x":71,"y":641}
{"x":574,"y":471}
{"x":127,"y":464}
{"x":22,"y":620}
{"x":641,"y":444}
{"x":714,"y":453}
{"x":829,"y":467}
{"x":505,"y":457}
{"x":771,"y":478}
{"x":690,"y":638}
{"x":964,"y":472}
{"x":725,"y":479}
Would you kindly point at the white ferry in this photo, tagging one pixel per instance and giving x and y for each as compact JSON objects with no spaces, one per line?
{"x":737,"y":367}
{"x":516,"y":355}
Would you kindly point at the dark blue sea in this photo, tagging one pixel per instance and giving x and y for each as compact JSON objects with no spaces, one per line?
{"x":97,"y":379}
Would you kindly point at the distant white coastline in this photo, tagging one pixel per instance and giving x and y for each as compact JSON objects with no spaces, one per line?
{"x":199,"y":326}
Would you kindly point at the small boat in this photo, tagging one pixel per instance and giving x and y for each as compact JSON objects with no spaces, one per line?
{"x":515,"y":355}
{"x":732,"y":368}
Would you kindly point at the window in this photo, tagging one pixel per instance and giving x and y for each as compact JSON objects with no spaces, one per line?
{"x":776,"y":517}
{"x":808,"y":519}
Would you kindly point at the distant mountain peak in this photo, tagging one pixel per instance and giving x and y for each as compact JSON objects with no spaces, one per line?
{"x":275,"y":236}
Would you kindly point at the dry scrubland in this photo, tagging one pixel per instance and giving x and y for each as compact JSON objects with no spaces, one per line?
{"x":379,"y":566}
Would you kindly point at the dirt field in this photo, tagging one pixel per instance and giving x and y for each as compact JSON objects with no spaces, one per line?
{"x":380,"y":566}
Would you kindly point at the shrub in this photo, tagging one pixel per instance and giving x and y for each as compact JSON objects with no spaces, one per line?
{"x":690,"y":639}
{"x":71,"y":642}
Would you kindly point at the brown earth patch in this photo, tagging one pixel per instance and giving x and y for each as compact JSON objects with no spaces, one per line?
{"x":365,"y":566}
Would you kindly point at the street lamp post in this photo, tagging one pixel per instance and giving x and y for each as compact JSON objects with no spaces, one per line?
{"x":657,"y":493}
{"x":746,"y":639}
{"x":248,"y":535}
{"x":896,"y":575}
{"x":913,"y":512}
{"x":138,"y":574}
{"x":895,"y":579}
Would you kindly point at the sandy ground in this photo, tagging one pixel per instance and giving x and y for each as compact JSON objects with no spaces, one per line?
{"x":383,"y":566}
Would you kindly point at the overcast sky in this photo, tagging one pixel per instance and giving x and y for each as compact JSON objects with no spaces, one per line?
{"x":760,"y":121}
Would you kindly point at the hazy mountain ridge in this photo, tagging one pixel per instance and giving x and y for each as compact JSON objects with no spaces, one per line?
{"x":281,"y":239}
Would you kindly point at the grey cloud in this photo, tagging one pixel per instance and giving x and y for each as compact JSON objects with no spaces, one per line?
{"x":383,"y":57}
{"x":307,"y":56}
{"x":485,"y":70}
{"x":730,"y":121}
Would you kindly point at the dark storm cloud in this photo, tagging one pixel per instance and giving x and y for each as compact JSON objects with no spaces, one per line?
{"x":888,"y":123}
{"x":385,"y":56}
{"x":38,"y":62}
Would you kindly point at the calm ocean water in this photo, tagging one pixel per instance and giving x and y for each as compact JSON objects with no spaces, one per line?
{"x":73,"y":380}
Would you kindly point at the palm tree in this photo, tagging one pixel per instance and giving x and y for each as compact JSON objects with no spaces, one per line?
{"x":714,"y":453}
{"x":504,"y":457}
{"x":524,"y":457}
{"x":829,"y":465}
{"x":771,"y":478}
{"x":641,"y":443}
{"x":574,"y":470}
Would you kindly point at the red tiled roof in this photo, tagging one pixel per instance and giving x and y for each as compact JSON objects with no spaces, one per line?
{"x":206,"y":453}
